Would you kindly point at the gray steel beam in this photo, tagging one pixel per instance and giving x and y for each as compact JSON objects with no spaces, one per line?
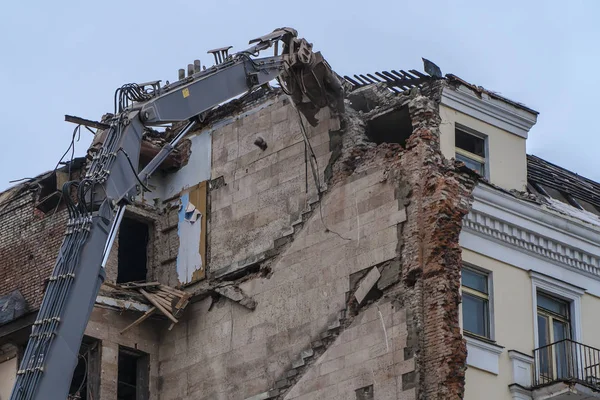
{"x":206,"y":92}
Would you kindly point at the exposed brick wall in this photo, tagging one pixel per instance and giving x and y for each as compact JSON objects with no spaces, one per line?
{"x":29,"y":243}
{"x":431,"y":259}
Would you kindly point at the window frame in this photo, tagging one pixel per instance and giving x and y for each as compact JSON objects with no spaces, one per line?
{"x":561,"y":290}
{"x":553,"y":316}
{"x":483,"y":160}
{"x":489,"y":297}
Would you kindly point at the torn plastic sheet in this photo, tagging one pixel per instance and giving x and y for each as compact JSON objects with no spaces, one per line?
{"x":192,"y":214}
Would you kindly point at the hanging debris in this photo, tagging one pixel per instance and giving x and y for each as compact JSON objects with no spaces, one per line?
{"x":167,"y":300}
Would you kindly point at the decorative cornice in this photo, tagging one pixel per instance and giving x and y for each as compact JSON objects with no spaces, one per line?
{"x":533,"y":243}
{"x":540,"y":215}
{"x":504,"y":118}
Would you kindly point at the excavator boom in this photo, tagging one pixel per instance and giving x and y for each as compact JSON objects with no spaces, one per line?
{"x":97,"y":202}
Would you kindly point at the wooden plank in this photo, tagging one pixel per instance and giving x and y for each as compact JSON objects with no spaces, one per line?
{"x":138,"y":321}
{"x":158,"y":305}
{"x":197,"y":196}
{"x":182,"y":302}
{"x":164,"y":302}
{"x":136,"y":285}
{"x":169,"y":289}
{"x":112,"y":285}
{"x":86,"y":122}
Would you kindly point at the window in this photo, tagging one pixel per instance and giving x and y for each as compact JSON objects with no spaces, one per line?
{"x":133,"y":375}
{"x":85,"y":384}
{"x":554,"y":326}
{"x":470,"y":149}
{"x":476,"y":302}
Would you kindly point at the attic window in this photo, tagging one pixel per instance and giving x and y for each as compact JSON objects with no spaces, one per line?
{"x":470,"y":149}
{"x":391,"y":127}
{"x":133,"y":251}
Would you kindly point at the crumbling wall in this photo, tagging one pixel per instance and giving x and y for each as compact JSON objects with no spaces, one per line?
{"x":431,"y":256}
{"x":224,"y":350}
{"x":262,"y":192}
{"x":394,"y":207}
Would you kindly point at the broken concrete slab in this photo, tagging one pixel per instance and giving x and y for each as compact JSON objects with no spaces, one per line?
{"x":236,"y":294}
{"x":367,"y":284}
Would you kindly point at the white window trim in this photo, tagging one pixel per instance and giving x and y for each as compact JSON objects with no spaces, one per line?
{"x":486,"y":146}
{"x":483,"y":355}
{"x":562,"y":290}
{"x":490,"y":282}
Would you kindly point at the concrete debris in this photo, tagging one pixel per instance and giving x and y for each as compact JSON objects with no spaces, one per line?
{"x":367,"y":284}
{"x":236,"y":294}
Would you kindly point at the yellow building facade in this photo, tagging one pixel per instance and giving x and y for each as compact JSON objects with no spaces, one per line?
{"x":531,"y":254}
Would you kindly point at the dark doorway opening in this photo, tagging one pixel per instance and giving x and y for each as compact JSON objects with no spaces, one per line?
{"x":133,"y":251}
{"x":133,"y":375}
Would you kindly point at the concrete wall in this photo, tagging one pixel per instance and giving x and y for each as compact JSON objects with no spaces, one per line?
{"x":506,"y":151}
{"x":264,"y":191}
{"x":8,"y":372}
{"x":590,"y":322}
{"x":231,"y":352}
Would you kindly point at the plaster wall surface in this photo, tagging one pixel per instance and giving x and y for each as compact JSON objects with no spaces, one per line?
{"x":8,"y":372}
{"x":513,"y":326}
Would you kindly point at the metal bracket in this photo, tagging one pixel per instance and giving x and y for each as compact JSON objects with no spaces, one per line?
{"x":221,"y":54}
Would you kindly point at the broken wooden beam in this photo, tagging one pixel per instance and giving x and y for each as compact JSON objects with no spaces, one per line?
{"x":156,"y":304}
{"x":138,"y":321}
{"x":86,"y":122}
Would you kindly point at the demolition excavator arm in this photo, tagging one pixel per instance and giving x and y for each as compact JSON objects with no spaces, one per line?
{"x":97,"y":202}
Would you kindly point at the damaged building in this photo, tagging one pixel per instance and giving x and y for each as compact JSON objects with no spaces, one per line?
{"x":406,"y":247}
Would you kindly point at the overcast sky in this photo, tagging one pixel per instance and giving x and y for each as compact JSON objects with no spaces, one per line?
{"x":68,"y":57}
